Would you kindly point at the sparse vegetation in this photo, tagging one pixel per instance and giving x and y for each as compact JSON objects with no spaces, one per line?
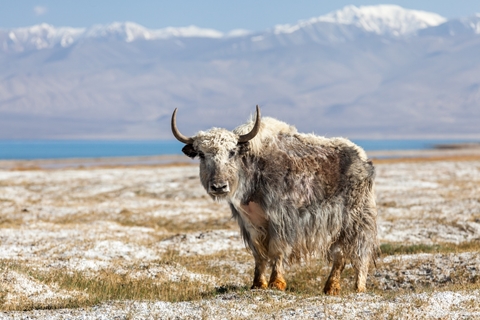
{"x":89,"y":237}
{"x":106,"y":285}
{"x":397,"y":248}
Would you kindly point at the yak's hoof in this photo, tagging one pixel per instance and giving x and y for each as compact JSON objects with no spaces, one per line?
{"x":332,"y":288}
{"x":278,"y":284}
{"x":259,"y":285}
{"x":361,"y":289}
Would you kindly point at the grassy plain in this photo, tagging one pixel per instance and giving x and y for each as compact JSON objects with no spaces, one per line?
{"x":124,"y":240}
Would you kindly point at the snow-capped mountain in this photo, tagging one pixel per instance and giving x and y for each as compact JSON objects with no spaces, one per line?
{"x":45,"y":36}
{"x":463,"y":26}
{"x":382,"y":20}
{"x":129,"y":31}
{"x":374,"y":71}
{"x":38,"y":37}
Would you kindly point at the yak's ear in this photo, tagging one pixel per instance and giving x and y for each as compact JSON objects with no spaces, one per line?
{"x":243,"y":147}
{"x":189,"y":151}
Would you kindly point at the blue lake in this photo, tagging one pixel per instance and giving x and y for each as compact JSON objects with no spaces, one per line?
{"x":56,"y":149}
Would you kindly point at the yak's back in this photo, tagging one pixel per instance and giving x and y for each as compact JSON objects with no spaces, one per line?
{"x":277,"y":137}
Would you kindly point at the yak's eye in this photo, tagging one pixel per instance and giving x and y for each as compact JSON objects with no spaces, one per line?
{"x":201,"y":155}
{"x":231,"y":154}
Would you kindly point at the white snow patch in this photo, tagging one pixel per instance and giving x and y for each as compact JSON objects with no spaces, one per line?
{"x":19,"y":287}
{"x":204,"y":243}
{"x":111,"y":249}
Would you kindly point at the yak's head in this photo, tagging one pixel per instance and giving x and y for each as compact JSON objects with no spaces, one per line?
{"x":219,"y":151}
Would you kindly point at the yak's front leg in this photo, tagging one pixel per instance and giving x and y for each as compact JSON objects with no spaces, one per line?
{"x":332,"y":286}
{"x":259,"y":279}
{"x":277,"y":250}
{"x":277,"y":281}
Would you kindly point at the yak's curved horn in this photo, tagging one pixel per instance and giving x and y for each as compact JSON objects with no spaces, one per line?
{"x":249,"y":136}
{"x":180,"y":137}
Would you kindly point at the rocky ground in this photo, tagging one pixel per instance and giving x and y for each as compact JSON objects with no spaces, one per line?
{"x":144,"y":241}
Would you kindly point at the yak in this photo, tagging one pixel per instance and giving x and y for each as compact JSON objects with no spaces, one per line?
{"x":293,"y":195}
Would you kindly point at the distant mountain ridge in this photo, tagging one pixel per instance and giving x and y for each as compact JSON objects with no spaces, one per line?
{"x":382,"y":19}
{"x":46,"y":36}
{"x":371,"y":71}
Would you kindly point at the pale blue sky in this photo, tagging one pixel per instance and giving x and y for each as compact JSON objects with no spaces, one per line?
{"x":223,"y":15}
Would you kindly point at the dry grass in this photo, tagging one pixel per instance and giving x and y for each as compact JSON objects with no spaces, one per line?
{"x":174,"y":225}
{"x":106,"y":285}
{"x":115,"y":223}
{"x":397,"y":248}
{"x":10,"y":222}
{"x":26,"y":168}
{"x":474,"y":157}
{"x":110,"y":285}
{"x":303,"y":282}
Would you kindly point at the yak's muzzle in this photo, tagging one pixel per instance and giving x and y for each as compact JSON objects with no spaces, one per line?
{"x":219,"y":188}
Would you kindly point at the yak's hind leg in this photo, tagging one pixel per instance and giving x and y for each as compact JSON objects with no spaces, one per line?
{"x":332,"y":286}
{"x":366,"y":246}
{"x":259,"y":279}
{"x":365,"y":251}
{"x":361,"y":271}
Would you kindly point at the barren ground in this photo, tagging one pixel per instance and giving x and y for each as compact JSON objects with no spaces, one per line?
{"x":144,"y":241}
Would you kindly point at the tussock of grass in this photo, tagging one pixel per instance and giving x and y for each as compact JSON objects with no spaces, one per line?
{"x":106,"y":285}
{"x":111,"y":286}
{"x":389,"y":249}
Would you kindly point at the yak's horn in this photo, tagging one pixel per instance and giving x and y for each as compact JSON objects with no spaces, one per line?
{"x":249,"y":136}
{"x":180,"y":137}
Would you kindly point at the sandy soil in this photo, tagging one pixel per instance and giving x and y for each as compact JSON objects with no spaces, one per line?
{"x":89,"y":218}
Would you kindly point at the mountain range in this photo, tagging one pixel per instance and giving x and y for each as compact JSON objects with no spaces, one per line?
{"x":361,"y":72}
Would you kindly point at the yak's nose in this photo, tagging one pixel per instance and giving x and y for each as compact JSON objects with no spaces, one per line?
{"x":219,"y":188}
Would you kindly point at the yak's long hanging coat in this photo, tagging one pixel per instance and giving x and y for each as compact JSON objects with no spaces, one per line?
{"x":293,"y":195}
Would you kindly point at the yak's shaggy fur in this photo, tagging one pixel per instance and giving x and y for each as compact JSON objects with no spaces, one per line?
{"x":294,"y":195}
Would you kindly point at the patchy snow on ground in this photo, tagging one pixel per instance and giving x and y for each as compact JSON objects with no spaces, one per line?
{"x":205,"y":243}
{"x":127,"y":218}
{"x":22,"y":287}
{"x":437,"y":305}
